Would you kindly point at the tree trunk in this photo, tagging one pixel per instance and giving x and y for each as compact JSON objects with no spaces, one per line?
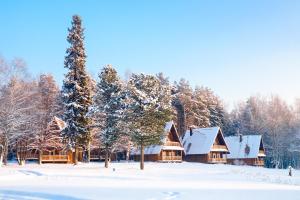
{"x":19,"y":158}
{"x":40,"y":156}
{"x":5,"y":152}
{"x":76,"y":156}
{"x":128,"y":153}
{"x":106,"y":156}
{"x":19,"y":155}
{"x":87,"y":153}
{"x":1,"y":155}
{"x":142,"y":158}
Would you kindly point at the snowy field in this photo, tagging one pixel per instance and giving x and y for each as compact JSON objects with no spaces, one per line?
{"x":158,"y":181}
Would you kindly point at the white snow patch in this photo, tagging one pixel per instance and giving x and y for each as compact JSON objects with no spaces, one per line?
{"x":157,"y":181}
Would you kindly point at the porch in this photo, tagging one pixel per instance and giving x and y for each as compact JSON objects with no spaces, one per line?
{"x":171,"y":156}
{"x":217,"y":160}
{"x":56,"y":158}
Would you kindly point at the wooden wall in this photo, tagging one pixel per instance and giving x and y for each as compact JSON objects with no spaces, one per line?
{"x":202,"y":158}
{"x":154,"y":157}
{"x":245,"y":161}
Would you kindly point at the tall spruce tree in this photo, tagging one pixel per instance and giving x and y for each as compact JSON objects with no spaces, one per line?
{"x":76,"y":91}
{"x":185,"y":105}
{"x":149,"y":108}
{"x":109,"y":106}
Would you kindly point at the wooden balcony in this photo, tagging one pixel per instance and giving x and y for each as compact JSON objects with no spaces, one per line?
{"x":262,"y":152}
{"x":171,"y":158}
{"x":55,"y":158}
{"x":219,"y":147}
{"x":217,"y":160}
{"x":169,"y":143}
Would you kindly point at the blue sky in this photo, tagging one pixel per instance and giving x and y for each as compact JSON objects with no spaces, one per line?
{"x":237,"y":48}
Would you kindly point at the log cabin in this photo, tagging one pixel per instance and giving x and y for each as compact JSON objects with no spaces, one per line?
{"x":246,"y":150}
{"x":52,"y":149}
{"x":205,"y":145}
{"x":171,"y":149}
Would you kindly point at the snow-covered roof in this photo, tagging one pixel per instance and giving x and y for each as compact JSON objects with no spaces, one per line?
{"x":168,"y":126}
{"x":155,"y":149}
{"x":200,"y":141}
{"x":172,"y":148}
{"x":248,"y":147}
{"x":61,"y":124}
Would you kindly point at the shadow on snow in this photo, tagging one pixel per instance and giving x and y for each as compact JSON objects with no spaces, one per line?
{"x":21,"y":195}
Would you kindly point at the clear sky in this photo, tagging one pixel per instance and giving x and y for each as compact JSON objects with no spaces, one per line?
{"x":237,"y":48}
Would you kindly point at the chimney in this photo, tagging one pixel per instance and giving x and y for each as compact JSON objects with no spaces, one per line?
{"x":182,"y":136}
{"x":241,"y":137}
{"x":191,"y":131}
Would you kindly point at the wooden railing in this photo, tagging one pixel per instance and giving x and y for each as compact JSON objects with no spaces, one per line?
{"x":96,"y":157}
{"x":32,"y":156}
{"x":169,"y":143}
{"x":54,"y":158}
{"x":169,"y":158}
{"x":259,"y":163}
{"x":217,"y":146}
{"x":217,"y":160}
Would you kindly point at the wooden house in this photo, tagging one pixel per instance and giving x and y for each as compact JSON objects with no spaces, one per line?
{"x":51,"y":148}
{"x":205,"y":145}
{"x":246,"y":150}
{"x":171,"y":149}
{"x":54,"y":151}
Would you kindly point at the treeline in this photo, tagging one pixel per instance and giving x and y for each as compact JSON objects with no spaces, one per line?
{"x":278,"y":123}
{"x":27,"y":105}
{"x":113,"y":114}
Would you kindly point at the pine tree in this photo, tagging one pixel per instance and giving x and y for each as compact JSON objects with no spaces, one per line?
{"x":149,"y":108}
{"x":76,"y":91}
{"x":200,"y":108}
{"x":185,"y":105}
{"x":214,"y":106}
{"x":108,"y":103}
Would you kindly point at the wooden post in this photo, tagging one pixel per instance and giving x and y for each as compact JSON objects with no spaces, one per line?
{"x":76,"y":156}
{"x":142,"y":158}
{"x":40,"y":156}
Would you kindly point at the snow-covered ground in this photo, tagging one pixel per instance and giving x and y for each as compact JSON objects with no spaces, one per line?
{"x":157,"y":181}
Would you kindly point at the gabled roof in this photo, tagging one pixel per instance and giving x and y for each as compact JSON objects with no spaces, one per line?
{"x":155,"y":149}
{"x":248,"y":147}
{"x":201,"y":140}
{"x":60,"y":123}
